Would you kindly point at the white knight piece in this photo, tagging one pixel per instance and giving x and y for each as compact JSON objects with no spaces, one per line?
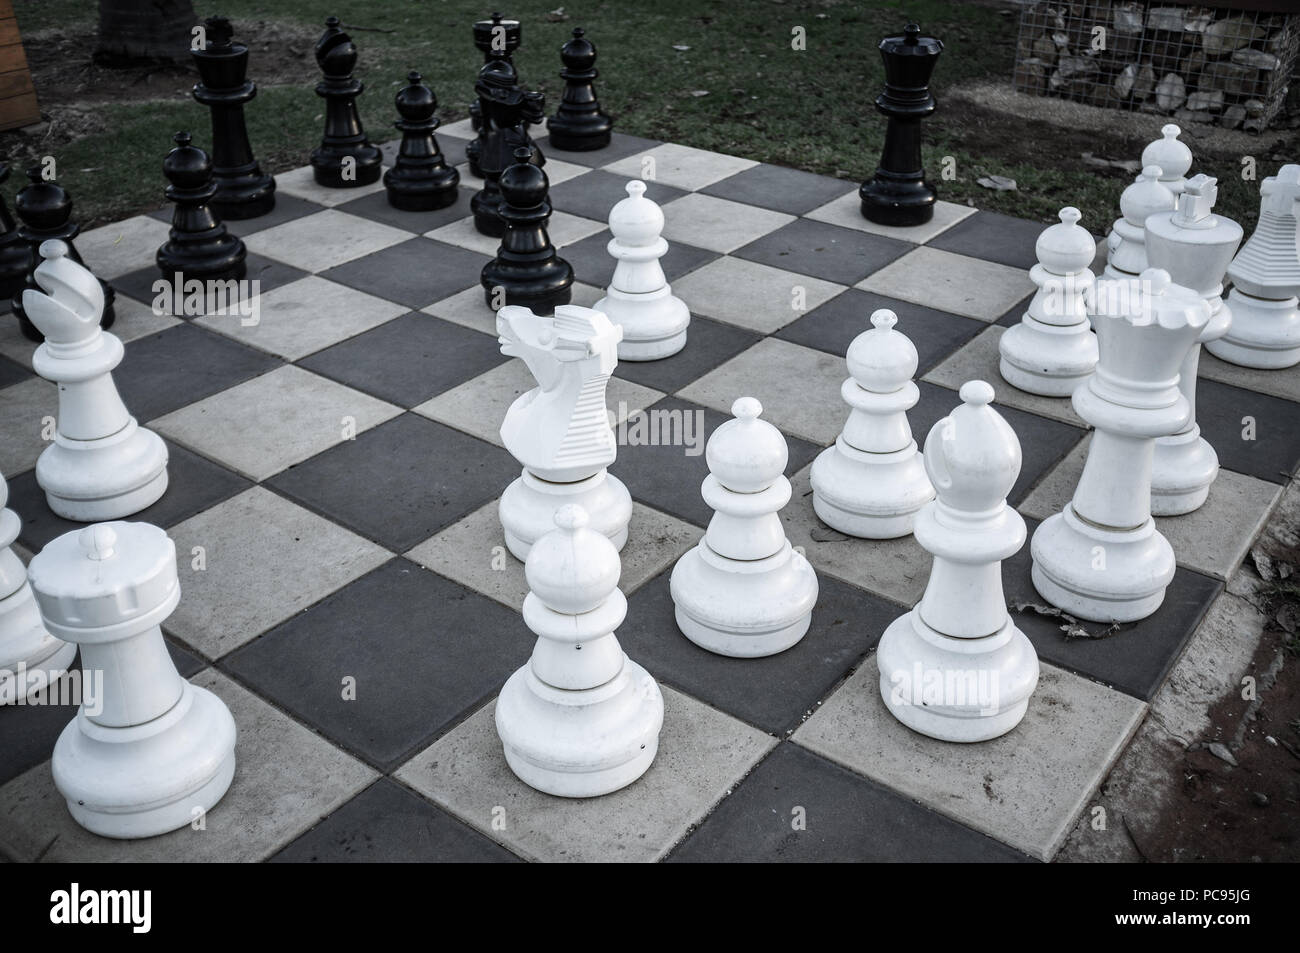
{"x":102,"y":465}
{"x":1265,"y":331}
{"x":559,"y":431}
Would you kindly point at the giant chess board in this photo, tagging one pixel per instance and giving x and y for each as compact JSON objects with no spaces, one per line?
{"x":335,"y":471}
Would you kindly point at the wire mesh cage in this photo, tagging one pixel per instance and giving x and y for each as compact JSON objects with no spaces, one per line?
{"x":1195,"y":63}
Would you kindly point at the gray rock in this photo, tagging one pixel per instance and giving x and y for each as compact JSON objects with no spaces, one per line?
{"x":1233,"y":116}
{"x":1255,"y":59}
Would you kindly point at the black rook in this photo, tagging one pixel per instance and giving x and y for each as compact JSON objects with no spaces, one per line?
{"x":243,"y":189}
{"x":579,"y":125}
{"x":345,"y":158}
{"x":898,"y":193}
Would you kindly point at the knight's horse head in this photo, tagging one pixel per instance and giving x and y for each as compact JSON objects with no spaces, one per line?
{"x":531,"y":337}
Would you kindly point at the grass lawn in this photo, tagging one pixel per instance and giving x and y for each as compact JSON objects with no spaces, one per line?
{"x":740,"y":88}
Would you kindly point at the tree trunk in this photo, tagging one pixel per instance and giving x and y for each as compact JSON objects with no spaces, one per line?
{"x":144,"y":31}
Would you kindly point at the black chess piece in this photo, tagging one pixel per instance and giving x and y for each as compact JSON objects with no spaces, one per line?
{"x":579,"y":125}
{"x":898,"y":193}
{"x":15,"y":254}
{"x":45,"y":210}
{"x":420,"y":178}
{"x":526,"y":270}
{"x":507,"y":112}
{"x":243,"y":189}
{"x":496,"y":39}
{"x":345,"y":159}
{"x":198,"y":245}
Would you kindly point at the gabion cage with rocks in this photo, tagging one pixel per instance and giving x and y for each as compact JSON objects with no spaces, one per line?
{"x":1225,"y":65}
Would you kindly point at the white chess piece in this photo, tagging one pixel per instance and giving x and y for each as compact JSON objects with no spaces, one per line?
{"x":956,"y":667}
{"x":1172,"y":156}
{"x":559,"y":431}
{"x":148,"y":752}
{"x":872,"y":482}
{"x":102,"y":465}
{"x":743,"y":591}
{"x":1053,"y":350}
{"x":1102,"y":557}
{"x":1126,"y":252}
{"x":1194,"y":246}
{"x":580,"y":718}
{"x":639,"y":298}
{"x":30,"y":658}
{"x":1265,"y":331}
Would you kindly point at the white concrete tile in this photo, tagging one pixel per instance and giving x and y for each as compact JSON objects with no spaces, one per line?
{"x":846,"y":211}
{"x":264,"y":559}
{"x":1025,"y":788}
{"x":702,"y":755}
{"x":754,"y":296}
{"x":324,"y":239}
{"x":469,"y":309}
{"x":1283,"y":383}
{"x":273,"y":421}
{"x":948,"y":282}
{"x":301,"y":183}
{"x":563,"y":229}
{"x":121,"y":247}
{"x":681,"y":166}
{"x":718,"y":224}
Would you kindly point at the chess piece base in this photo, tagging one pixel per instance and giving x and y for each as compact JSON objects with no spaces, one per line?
{"x":528,"y":506}
{"x":869,"y":495}
{"x":1183,"y":469}
{"x":1100,"y":574}
{"x":243,"y":195}
{"x":654,"y":323}
{"x":216,"y":260}
{"x":327,"y":167}
{"x":1265,"y":333}
{"x":743,"y":608}
{"x":24,"y":677}
{"x":572,"y":135}
{"x":147,"y":779}
{"x":955,"y":689}
{"x":581,"y":743}
{"x":91,"y":481}
{"x":899,"y":201}
{"x":540,"y":290}
{"x":1047,"y":359}
{"x":30,"y":657}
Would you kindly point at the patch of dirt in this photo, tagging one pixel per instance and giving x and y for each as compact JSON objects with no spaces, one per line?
{"x":1250,"y":810}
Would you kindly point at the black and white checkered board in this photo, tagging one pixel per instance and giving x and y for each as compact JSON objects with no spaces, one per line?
{"x":379,"y":558}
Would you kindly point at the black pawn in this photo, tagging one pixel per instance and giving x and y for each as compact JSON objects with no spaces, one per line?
{"x":526,"y":270}
{"x":898,"y":193}
{"x":15,"y":255}
{"x":345,"y":159}
{"x":420,"y":179}
{"x":579,"y":125}
{"x":507,"y":112}
{"x":45,"y":210}
{"x":243,"y":189}
{"x":496,"y":39}
{"x":198,"y":245}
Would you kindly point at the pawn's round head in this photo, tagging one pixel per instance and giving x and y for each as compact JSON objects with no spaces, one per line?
{"x":1146,"y":196}
{"x":636,"y":220}
{"x":972,"y":456}
{"x":1169,"y":152}
{"x":746,"y":454}
{"x":882,"y":359}
{"x":1066,"y":248}
{"x":523,"y":184}
{"x":573,"y":568}
{"x":187,"y":166}
{"x":415,"y":101}
{"x":578,"y":53}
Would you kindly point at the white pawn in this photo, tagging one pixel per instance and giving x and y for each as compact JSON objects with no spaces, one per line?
{"x":1126,"y":251}
{"x":744,"y":591}
{"x":1171,"y":155}
{"x":559,"y":431}
{"x":580,"y":719}
{"x":639,"y":298}
{"x":1194,"y":246}
{"x":872,"y":482}
{"x":956,"y":667}
{"x":30,"y":658}
{"x":1265,"y":275}
{"x":148,"y":752}
{"x":1053,"y":350}
{"x":102,"y":465}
